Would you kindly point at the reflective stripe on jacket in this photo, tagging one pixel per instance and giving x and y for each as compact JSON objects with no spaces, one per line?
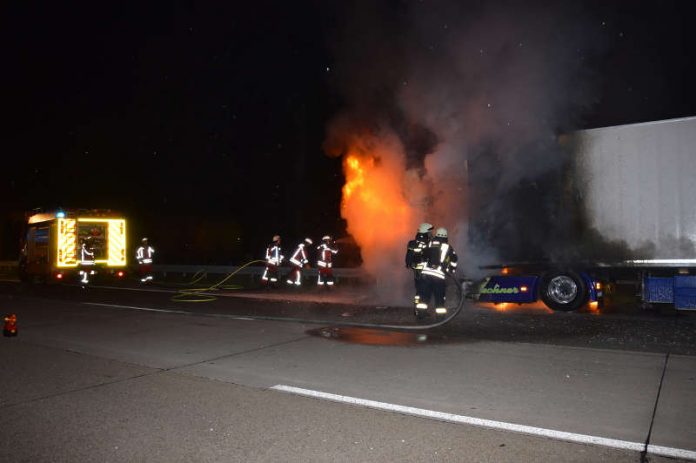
{"x":325,"y":253}
{"x":86,"y":256}
{"x":415,"y":257}
{"x":299,"y":257}
{"x":144,"y":254}
{"x":440,"y":258}
{"x":273,"y":255}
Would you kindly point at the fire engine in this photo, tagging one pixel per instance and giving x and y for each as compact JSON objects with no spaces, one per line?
{"x":52,"y":246}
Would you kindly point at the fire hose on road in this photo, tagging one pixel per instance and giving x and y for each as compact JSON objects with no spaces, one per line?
{"x":443,"y":321}
{"x":203,"y":294}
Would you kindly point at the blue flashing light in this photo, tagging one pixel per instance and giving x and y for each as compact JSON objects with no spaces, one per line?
{"x":60,"y":214}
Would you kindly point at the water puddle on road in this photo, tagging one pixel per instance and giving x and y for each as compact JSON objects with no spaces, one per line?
{"x":378,"y":337}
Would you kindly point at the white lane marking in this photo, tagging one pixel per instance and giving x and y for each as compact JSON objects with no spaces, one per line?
{"x":248,"y":295}
{"x":179,"y":312}
{"x":144,"y":290}
{"x":338,"y":299}
{"x":152,"y":309}
{"x":672,"y":452}
{"x":145,"y":309}
{"x":491,"y":424}
{"x":207,"y":314}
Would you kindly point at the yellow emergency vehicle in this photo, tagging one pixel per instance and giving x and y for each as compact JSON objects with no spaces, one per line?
{"x":60,"y":244}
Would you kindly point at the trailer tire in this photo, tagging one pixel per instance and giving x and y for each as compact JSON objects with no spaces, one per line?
{"x":563,"y":290}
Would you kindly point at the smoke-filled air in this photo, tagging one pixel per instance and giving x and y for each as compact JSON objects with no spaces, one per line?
{"x":451,"y":113}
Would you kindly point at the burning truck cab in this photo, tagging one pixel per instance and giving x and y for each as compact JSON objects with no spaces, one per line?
{"x":52,"y":248}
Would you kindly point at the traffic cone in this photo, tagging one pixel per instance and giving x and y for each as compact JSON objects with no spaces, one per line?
{"x":10,"y":327}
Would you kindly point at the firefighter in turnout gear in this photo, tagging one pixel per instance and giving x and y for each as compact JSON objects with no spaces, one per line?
{"x":274,"y":257}
{"x":326,"y":252}
{"x":86,"y":260}
{"x":144,"y":257}
{"x":415,"y":259}
{"x":440,"y":260}
{"x":298,"y":260}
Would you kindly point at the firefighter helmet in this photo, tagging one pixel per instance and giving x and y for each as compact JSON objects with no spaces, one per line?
{"x":425,"y":227}
{"x":276,"y":237}
{"x":441,"y":233}
{"x":326,"y":238}
{"x":308,"y":240}
{"x":144,"y":239}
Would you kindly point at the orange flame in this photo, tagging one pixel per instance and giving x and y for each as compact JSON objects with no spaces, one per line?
{"x":375,"y":205}
{"x":512,"y":307}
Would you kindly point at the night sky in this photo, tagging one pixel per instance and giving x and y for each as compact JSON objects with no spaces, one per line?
{"x":204,"y":122}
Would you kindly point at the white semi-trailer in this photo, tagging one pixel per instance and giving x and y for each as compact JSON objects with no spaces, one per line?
{"x":637,"y":185}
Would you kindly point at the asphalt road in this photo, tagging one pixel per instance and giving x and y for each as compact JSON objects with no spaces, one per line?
{"x":127,"y":374}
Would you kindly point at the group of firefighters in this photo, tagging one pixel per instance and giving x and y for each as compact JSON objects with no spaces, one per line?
{"x":431,"y":258}
{"x":274,"y":258}
{"x":300,"y":260}
{"x":429,"y":255}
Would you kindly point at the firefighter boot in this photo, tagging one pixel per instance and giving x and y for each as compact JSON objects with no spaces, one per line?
{"x":441,"y":311}
{"x":421,"y":310}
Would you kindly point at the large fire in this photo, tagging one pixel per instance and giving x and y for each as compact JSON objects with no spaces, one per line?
{"x":376,"y":207}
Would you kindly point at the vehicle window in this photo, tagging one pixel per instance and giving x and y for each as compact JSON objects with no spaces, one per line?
{"x":41,"y":236}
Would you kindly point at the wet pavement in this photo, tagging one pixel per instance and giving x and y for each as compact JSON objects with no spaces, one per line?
{"x":625,"y":329}
{"x":83,"y":354}
{"x":378,"y":337}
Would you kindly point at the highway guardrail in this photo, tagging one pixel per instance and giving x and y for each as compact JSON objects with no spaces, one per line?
{"x":11,"y":266}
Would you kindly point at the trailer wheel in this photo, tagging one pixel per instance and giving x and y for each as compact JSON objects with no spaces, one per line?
{"x":563,"y":290}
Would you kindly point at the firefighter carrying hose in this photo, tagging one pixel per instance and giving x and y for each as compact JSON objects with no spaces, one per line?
{"x":144,"y":255}
{"x":298,"y":260}
{"x":440,"y":259}
{"x":415,"y":259}
{"x":324,"y":263}
{"x":86,"y":259}
{"x":274,"y":258}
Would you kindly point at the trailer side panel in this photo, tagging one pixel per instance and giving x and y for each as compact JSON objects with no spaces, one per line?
{"x":638,"y":185}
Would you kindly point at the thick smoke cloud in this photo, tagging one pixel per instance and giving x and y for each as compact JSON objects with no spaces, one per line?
{"x":477,"y":95}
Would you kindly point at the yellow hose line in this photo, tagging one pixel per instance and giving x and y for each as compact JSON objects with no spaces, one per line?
{"x":200,"y":294}
{"x":198,"y":276}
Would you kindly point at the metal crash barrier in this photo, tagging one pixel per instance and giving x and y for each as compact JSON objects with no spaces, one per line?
{"x":9,"y":268}
{"x":251,"y":271}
